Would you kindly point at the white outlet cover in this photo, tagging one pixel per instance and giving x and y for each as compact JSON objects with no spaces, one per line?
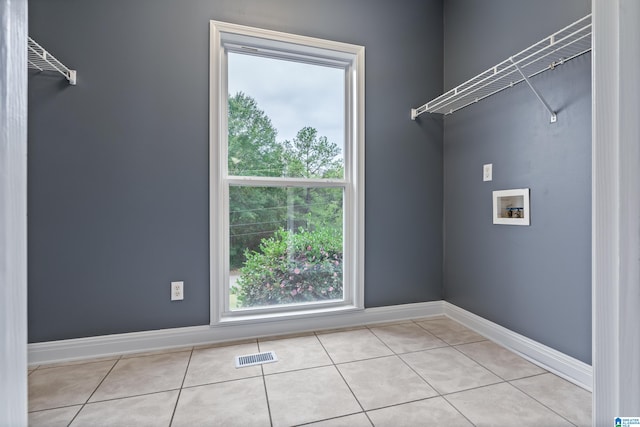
{"x":177,"y":291}
{"x":487,"y":172}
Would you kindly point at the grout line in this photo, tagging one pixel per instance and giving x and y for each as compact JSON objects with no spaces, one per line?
{"x":297,"y":369}
{"x":404,"y":403}
{"x":335,"y":366}
{"x":420,"y":376}
{"x":57,"y":407}
{"x":266,"y":394}
{"x":398,"y":353}
{"x":478,"y":363}
{"x":115,"y":362}
{"x":474,"y":388}
{"x":264,"y":384}
{"x":184,"y":377}
{"x":332,"y":362}
{"x":113,"y":399}
{"x":492,"y":371}
{"x":457,"y":410}
{"x":222,"y":382}
{"x":333,"y":418}
{"x":80,"y":362}
{"x":349,"y":387}
{"x":535,"y":399}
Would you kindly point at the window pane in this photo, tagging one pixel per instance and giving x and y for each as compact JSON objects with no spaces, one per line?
{"x":286,"y":118}
{"x":286,"y":245}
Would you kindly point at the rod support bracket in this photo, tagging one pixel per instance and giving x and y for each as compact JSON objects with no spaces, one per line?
{"x":554,"y":118}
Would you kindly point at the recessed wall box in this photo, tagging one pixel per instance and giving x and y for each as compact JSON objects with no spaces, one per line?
{"x":511,"y":207}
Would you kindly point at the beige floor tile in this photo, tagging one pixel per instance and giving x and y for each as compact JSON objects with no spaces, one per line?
{"x":60,"y":417}
{"x":286,"y":336}
{"x":448,"y":371}
{"x":450,"y":331}
{"x":233,"y":403}
{"x":79,"y":362}
{"x":310,"y":395}
{"x":430,"y":412}
{"x":65,"y":385}
{"x":383,"y":324}
{"x":217,"y":364}
{"x":295,"y":353}
{"x":503,"y":404}
{"x":568,"y":400}
{"x":156,"y":352}
{"x":384,"y":381}
{"x":499,"y":360}
{"x":349,"y":346}
{"x":150,"y":410}
{"x":304,"y":387}
{"x":356,"y":420}
{"x":345,"y":329}
{"x":225,"y":344}
{"x":407,"y":337}
{"x":142,"y":375}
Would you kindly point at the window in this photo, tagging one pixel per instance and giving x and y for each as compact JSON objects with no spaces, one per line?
{"x":287,"y":174}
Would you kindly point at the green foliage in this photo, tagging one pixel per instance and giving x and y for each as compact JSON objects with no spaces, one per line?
{"x":292,"y":268}
{"x":257,"y":212}
{"x":308,"y":156}
{"x":253,"y":149}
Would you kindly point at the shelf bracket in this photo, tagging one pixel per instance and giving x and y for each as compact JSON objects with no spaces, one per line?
{"x":40,"y":59}
{"x":554,"y":117}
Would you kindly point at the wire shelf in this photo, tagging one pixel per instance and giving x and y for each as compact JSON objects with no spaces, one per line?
{"x":564,"y":45}
{"x":41,"y":60}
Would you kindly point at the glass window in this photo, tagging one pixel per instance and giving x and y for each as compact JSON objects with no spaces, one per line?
{"x":286,"y":173}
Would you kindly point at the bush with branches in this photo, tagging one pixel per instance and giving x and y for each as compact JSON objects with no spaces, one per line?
{"x":292,"y":268}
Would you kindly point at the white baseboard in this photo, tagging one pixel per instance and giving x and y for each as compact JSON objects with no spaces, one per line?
{"x":135,"y":342}
{"x":552,"y":360}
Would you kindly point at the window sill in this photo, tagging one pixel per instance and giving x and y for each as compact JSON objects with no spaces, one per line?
{"x":237,"y":319}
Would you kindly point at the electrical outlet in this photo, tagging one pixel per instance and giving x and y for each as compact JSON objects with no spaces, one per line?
{"x":177,"y":291}
{"x":487,"y":172}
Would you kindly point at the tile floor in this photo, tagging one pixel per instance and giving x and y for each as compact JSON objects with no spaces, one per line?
{"x":425,"y":372}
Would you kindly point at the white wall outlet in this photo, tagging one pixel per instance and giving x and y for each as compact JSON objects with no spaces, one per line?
{"x":487,"y":172}
{"x":177,"y":291}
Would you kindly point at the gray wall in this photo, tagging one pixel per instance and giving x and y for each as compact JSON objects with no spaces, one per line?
{"x":118,"y":165}
{"x":533,"y":280}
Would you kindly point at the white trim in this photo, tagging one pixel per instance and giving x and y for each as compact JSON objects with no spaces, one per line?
{"x":498,"y":195}
{"x":13,"y":213}
{"x":615,"y":207}
{"x":135,"y":342}
{"x":552,"y":360}
{"x":112,"y":345}
{"x":348,"y":57}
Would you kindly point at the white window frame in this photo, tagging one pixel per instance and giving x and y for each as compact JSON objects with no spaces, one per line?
{"x":227,"y":37}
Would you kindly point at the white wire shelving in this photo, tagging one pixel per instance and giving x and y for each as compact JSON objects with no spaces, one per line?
{"x":41,"y":60}
{"x":556,"y":49}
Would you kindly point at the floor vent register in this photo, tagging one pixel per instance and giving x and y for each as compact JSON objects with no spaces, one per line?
{"x":256,"y":359}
